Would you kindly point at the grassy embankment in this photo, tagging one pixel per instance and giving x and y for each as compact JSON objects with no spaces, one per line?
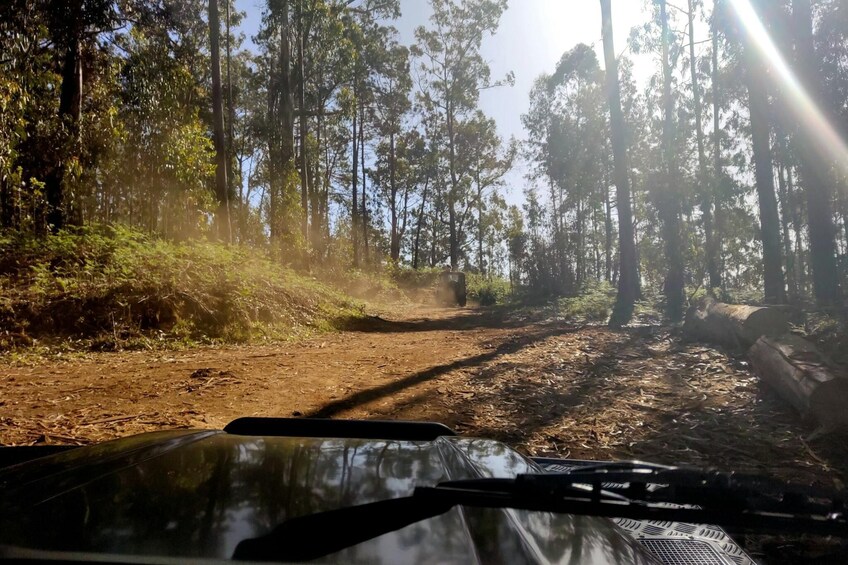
{"x":112,"y":288}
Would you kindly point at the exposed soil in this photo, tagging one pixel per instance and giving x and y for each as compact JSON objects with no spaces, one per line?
{"x":547,"y":386}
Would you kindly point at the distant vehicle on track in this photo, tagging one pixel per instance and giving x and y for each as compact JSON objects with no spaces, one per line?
{"x":452,"y":290}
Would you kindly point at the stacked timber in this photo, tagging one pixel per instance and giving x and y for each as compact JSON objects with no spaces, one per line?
{"x":803,"y":377}
{"x":793,"y":366}
{"x":734,"y":325}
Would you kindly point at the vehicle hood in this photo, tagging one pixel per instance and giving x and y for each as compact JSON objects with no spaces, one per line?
{"x":197,"y":494}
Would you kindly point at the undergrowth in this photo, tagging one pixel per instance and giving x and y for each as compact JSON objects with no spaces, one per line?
{"x":487,"y":291}
{"x":594,"y":304}
{"x":112,"y":287}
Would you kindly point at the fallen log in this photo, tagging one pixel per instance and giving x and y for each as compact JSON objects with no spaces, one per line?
{"x":734,"y":325}
{"x":804,"y":377}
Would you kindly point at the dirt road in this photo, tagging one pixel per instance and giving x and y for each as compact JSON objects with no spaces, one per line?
{"x":547,"y":386}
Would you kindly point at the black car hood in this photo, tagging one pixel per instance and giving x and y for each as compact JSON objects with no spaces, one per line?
{"x":197,"y":494}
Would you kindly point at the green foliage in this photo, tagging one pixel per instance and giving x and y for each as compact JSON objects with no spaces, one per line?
{"x":594,"y":305}
{"x":117,"y":286}
{"x":487,"y":291}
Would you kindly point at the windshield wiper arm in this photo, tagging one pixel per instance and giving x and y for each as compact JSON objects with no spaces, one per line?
{"x":622,"y":490}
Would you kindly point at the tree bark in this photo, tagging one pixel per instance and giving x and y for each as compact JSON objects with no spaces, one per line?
{"x":70,"y":111}
{"x":304,"y":161}
{"x":734,"y":325}
{"x":286,"y":92}
{"x":315,"y":223}
{"x":354,"y":207}
{"x":802,"y":376}
{"x":668,"y":203}
{"x":797,"y":227}
{"x":418,"y":225}
{"x":764,"y":175}
{"x":452,"y":191}
{"x":231,"y":119}
{"x":628,"y":279}
{"x":704,"y":184}
{"x":364,"y":215}
{"x":480,"y":260}
{"x":718,"y":171}
{"x":607,"y":229}
{"x":394,"y":244}
{"x":783,"y":201}
{"x":222,"y":214}
{"x":814,"y":167}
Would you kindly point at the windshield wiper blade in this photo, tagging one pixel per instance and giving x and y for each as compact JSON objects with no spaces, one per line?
{"x":622,"y":490}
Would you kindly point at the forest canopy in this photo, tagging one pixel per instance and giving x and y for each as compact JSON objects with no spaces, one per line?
{"x":322,"y":138}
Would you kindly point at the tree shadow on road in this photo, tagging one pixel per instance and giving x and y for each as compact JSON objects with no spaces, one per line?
{"x":511,"y":345}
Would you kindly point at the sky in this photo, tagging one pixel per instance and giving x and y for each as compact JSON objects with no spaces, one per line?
{"x":532,"y":37}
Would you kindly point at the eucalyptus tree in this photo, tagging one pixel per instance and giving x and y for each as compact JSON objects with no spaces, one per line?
{"x":324,"y":55}
{"x":453,"y":72}
{"x":163,"y":159}
{"x":392,"y":84}
{"x":489,"y":160}
{"x":816,"y":166}
{"x":222,"y":185}
{"x":755,"y":68}
{"x":628,"y":279}
{"x":567,"y":124}
{"x":277,"y":123}
{"x":704,"y":184}
{"x":668,"y":199}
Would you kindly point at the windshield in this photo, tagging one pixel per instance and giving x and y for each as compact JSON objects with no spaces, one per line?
{"x":595,"y":230}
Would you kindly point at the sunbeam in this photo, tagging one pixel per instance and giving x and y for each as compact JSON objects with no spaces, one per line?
{"x":801,"y":104}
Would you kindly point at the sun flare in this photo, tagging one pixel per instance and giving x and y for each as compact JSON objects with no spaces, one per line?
{"x":804,"y":109}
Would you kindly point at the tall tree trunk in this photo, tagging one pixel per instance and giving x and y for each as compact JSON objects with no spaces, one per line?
{"x":231,"y":119}
{"x":222,"y":214}
{"x":668,"y":203}
{"x":433,"y":234}
{"x":286,"y":93}
{"x":704,"y":184}
{"x":718,"y":171}
{"x":797,"y":228}
{"x":304,"y":161}
{"x":274,"y":154}
{"x":580,"y":222}
{"x":364,"y":215}
{"x":783,"y":200}
{"x":281,"y":120}
{"x":394,"y":251}
{"x":452,"y":192}
{"x":814,"y":167}
{"x":315,"y":223}
{"x":607,"y":228}
{"x":764,"y":175}
{"x":70,"y":110}
{"x":419,"y":224}
{"x":7,"y":204}
{"x":480,"y":259}
{"x":354,"y":207}
{"x":628,"y":279}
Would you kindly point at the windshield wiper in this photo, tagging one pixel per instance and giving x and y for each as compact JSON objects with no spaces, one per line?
{"x":634,"y":490}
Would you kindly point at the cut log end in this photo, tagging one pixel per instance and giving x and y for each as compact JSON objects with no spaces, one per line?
{"x":804,"y":377}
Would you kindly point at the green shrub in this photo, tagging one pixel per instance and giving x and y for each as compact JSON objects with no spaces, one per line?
{"x":594,"y":304}
{"x":486,"y":291}
{"x":116,"y":284}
